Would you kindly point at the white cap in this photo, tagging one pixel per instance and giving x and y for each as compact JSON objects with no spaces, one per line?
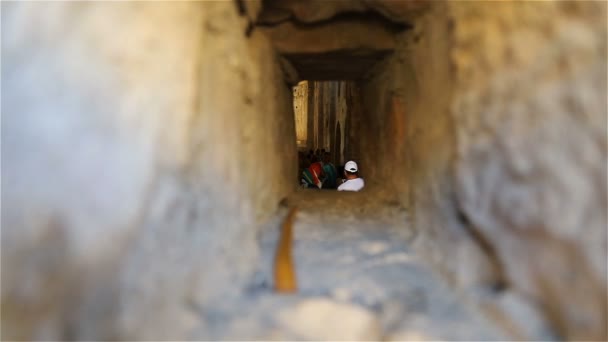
{"x":351,"y":166}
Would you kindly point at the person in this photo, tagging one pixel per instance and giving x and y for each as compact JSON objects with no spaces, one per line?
{"x":313,"y":175}
{"x":353,"y":181}
{"x":331,"y":174}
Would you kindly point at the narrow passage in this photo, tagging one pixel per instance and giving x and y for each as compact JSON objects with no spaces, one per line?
{"x":357,"y":280}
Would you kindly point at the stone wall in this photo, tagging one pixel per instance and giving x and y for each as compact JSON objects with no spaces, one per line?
{"x":530,"y":167}
{"x":504,"y":110}
{"x":139,"y":159}
{"x":330,"y":104}
{"x":131,"y":164}
{"x":300,"y":107}
{"x":343,"y":106}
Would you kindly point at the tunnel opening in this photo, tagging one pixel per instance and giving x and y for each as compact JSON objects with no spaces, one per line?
{"x":414,"y":125}
{"x":322,"y":114}
{"x":362,"y":120}
{"x":332,"y":56}
{"x":339,"y":60}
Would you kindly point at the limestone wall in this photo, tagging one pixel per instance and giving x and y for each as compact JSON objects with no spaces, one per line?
{"x":330,"y":105}
{"x":135,"y":157}
{"x":505,"y":154}
{"x":300,"y":107}
{"x":140,"y":158}
{"x":536,"y":190}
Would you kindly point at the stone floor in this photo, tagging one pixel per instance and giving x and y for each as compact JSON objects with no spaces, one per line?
{"x":357,"y":281}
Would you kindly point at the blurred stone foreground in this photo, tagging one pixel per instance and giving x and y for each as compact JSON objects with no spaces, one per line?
{"x":146,"y":147}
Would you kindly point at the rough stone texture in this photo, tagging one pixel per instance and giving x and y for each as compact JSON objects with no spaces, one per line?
{"x":330,"y":105}
{"x":310,"y":11}
{"x":530,"y":170}
{"x":130,"y":162}
{"x":140,"y":158}
{"x":497,"y":115}
{"x":378,"y":129}
{"x":317,"y":52}
{"x":506,"y":154}
{"x":357,"y":280}
{"x":404,"y":124}
{"x":318,"y":36}
{"x":330,"y":66}
{"x":346,"y":34}
{"x":324,"y":319}
{"x":399,"y":11}
{"x":300,"y":108}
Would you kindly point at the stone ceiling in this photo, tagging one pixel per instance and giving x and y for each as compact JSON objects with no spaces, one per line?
{"x":334,"y":40}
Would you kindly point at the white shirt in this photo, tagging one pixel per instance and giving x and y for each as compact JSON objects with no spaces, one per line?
{"x":352,"y":185}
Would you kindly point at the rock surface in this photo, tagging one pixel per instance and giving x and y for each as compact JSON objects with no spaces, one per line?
{"x":537,"y":149}
{"x":506,"y":150}
{"x":318,"y":36}
{"x":146,"y":146}
{"x":496,"y":116}
{"x":124,"y":140}
{"x":344,"y":292}
{"x":323,"y":319}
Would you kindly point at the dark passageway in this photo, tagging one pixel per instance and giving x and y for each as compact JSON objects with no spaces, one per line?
{"x":151,"y":153}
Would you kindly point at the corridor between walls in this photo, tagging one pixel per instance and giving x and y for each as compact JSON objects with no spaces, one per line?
{"x":150,"y":154}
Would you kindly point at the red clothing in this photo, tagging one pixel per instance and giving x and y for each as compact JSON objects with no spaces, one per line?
{"x":316,"y":169}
